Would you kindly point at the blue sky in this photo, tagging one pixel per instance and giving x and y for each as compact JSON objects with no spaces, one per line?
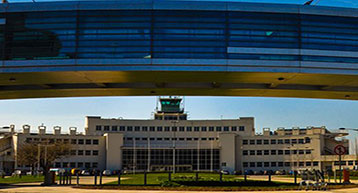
{"x":268,"y":112}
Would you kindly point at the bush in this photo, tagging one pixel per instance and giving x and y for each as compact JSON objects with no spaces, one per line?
{"x":169,"y":184}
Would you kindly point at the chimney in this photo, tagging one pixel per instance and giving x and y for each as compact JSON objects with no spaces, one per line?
{"x":73,"y":130}
{"x":267,"y":131}
{"x":26,"y":128}
{"x":57,"y":130}
{"x":42,"y":129}
{"x":12,"y":128}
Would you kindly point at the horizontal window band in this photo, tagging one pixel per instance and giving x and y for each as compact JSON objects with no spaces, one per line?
{"x":287,"y":51}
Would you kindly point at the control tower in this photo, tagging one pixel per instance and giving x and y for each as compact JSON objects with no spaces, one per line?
{"x":171,"y":108}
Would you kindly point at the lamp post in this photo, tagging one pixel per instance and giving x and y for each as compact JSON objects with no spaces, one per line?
{"x":174,"y":144}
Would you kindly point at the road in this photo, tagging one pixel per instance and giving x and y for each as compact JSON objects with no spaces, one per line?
{"x":58,"y":189}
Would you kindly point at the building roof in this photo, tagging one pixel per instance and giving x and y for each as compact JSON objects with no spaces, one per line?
{"x":178,"y":5}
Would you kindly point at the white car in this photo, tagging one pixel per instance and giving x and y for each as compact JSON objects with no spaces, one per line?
{"x":107,"y":172}
{"x":85,"y":173}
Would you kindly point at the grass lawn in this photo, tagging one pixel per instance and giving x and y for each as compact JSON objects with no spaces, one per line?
{"x":23,"y":179}
{"x":159,"y":178}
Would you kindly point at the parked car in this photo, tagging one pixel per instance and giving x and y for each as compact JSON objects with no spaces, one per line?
{"x":225,"y":172}
{"x":85,"y":173}
{"x":249,"y":172}
{"x":107,"y":172}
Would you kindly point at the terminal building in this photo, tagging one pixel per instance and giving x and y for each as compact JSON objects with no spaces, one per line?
{"x":170,"y":141}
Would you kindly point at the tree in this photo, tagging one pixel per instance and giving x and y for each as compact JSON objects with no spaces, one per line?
{"x":44,"y":154}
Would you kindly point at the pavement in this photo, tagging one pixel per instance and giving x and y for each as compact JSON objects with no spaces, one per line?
{"x":61,"y":189}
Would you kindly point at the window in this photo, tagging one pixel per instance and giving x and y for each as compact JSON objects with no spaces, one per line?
{"x":273,"y":141}
{"x":151,"y":128}
{"x":294,"y":141}
{"x":95,"y":152}
{"x":294,"y":152}
{"x":81,"y":141}
{"x":94,"y":164}
{"x":159,"y":128}
{"x":88,"y":152}
{"x":122,"y":128}
{"x":315,"y":163}
{"x":203,"y":139}
{"x":287,"y":141}
{"x":88,"y":142}
{"x":98,"y":128}
{"x":266,"y":152}
{"x":273,"y":152}
{"x":287,"y":164}
{"x":144,"y":139}
{"x":280,"y":141}
{"x":80,"y":152}
{"x":211,"y":128}
{"x":73,"y":152}
{"x":301,"y":152}
{"x":196,"y":128}
{"x":308,"y":163}
{"x":273,"y":164}
{"x":203,"y":128}
{"x":188,"y":129}
{"x":252,"y":152}
{"x":244,"y":152}
{"x":308,"y":151}
{"x":258,"y":142}
{"x":166,"y":128}
{"x":114,"y":128}
{"x":233,"y":128}
{"x":136,"y":128}
{"x":226,"y":128}
{"x":244,"y":142}
{"x":350,"y":163}
{"x":252,"y":142}
{"x":241,"y":128}
{"x":73,"y":141}
{"x":287,"y":152}
{"x":280,"y":152}
{"x":144,"y":128}
{"x":159,"y":139}
{"x":301,"y":141}
{"x":245,"y":164}
{"x":181,"y":139}
{"x":259,"y":164}
{"x":218,"y":128}
{"x":266,"y":141}
{"x":252,"y":164}
{"x":129,"y":128}
{"x":73,"y":164}
{"x":181,"y":128}
{"x":174,"y":129}
{"x":87,"y":165}
{"x":301,"y":164}
{"x":189,"y":139}
{"x":280,"y":164}
{"x":152,"y":139}
{"x":308,"y":140}
{"x":259,"y":152}
{"x":106,"y":128}
{"x":80,"y":164}
{"x":266,"y":164}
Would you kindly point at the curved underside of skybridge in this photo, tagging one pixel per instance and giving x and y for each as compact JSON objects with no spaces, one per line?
{"x":143,"y":48}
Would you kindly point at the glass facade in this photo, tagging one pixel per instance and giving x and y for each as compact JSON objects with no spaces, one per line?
{"x":189,"y":34}
{"x":162,"y":159}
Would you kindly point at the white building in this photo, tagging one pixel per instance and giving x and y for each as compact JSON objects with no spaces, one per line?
{"x":170,"y":140}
